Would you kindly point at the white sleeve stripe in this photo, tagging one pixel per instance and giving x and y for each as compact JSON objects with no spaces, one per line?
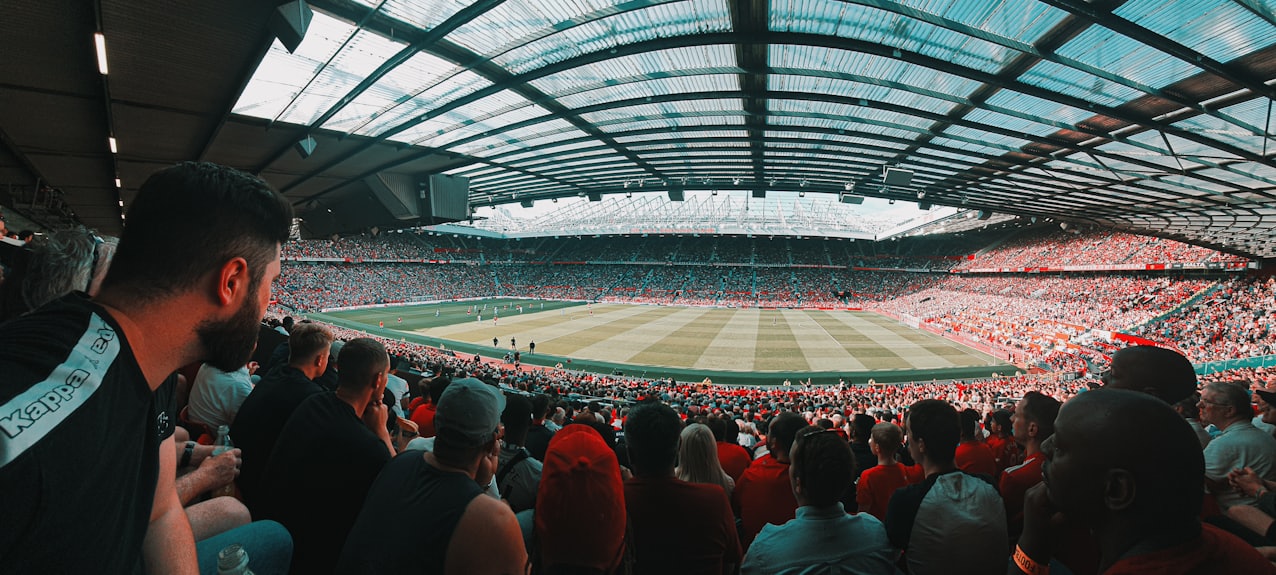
{"x":32,"y":414}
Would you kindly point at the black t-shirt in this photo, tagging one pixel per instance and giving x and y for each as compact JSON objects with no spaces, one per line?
{"x":317,"y":478}
{"x":79,"y":452}
{"x":408,"y":519}
{"x":259,"y":421}
{"x":538,"y":437}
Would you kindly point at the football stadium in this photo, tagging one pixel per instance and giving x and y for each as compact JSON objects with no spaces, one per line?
{"x":642,"y":287}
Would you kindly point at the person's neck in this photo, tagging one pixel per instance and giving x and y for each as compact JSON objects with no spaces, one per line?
{"x":310,"y":370}
{"x":470,"y":471}
{"x":1222,"y":426}
{"x":665,"y":473}
{"x":886,"y":459}
{"x":357,"y":400}
{"x":931,"y":468}
{"x":159,"y":345}
{"x":1121,"y":539}
{"x":1031,"y":448}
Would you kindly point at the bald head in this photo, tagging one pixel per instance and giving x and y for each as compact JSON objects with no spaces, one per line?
{"x":1124,"y":453}
{"x":1156,"y":371}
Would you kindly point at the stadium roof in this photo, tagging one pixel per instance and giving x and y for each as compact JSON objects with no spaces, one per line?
{"x":1147,"y":115}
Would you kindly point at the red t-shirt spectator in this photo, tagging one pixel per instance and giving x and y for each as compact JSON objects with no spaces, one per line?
{"x":681,"y":527}
{"x":734,"y":459}
{"x":975,"y":457}
{"x":877,"y":485}
{"x":763,"y":495}
{"x":1216,"y":551}
{"x":1015,"y":482}
{"x":423,"y":415}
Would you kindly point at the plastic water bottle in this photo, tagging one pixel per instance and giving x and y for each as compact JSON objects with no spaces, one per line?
{"x":233,"y":560}
{"x":223,"y":445}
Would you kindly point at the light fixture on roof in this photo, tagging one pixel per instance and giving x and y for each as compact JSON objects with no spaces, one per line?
{"x":627,"y":183}
{"x":802,"y":183}
{"x":629,"y":194}
{"x":100,"y":42}
{"x":848,"y":186}
{"x":714,"y":192}
{"x":801,"y":194}
{"x":735,"y":181}
{"x":891,"y":201}
{"x":114,"y":147}
{"x":921,"y":195}
{"x":117,"y":183}
{"x":554,"y":200}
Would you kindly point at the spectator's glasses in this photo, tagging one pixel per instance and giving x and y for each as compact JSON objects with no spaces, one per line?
{"x":97,"y":252}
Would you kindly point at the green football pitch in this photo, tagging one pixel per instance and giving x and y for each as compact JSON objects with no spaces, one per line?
{"x":742,"y":346}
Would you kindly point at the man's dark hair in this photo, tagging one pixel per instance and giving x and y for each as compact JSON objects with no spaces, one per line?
{"x":308,"y":339}
{"x":517,"y":418}
{"x":437,"y":385}
{"x":1189,"y":406}
{"x":1158,"y":371}
{"x":718,"y":426}
{"x":189,"y":220}
{"x":362,"y":359}
{"x":540,"y":406}
{"x":862,"y":427}
{"x":969,"y":422}
{"x":784,"y":428}
{"x":824,"y":423}
{"x":1004,"y":420}
{"x":651,"y":432}
{"x":824,"y":464}
{"x":1042,"y":410}
{"x":935,"y":423}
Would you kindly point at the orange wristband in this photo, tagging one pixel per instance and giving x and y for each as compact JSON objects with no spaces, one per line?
{"x":1027,"y":565}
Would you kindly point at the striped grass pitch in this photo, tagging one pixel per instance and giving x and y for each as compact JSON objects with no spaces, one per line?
{"x":708,"y":339}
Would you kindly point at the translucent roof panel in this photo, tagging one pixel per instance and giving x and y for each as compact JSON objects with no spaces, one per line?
{"x":633,"y":88}
{"x":847,"y":20}
{"x":859,"y":118}
{"x":668,"y":110}
{"x":1010,"y":102}
{"x":1083,"y":85}
{"x":1023,"y":20}
{"x":281,"y":76}
{"x":713,"y":119}
{"x":1126,"y":57}
{"x":451,"y":88}
{"x":358,"y":57}
{"x":851,"y":89}
{"x":544,"y":33}
{"x":1181,"y":146}
{"x":889,"y":70}
{"x":956,"y":146}
{"x":1219,"y":29}
{"x":1251,"y":113}
{"x":416,"y":74}
{"x":1157,"y":157}
{"x":423,"y":15}
{"x":987,"y":137}
{"x":715,"y":58}
{"x":991,"y":118}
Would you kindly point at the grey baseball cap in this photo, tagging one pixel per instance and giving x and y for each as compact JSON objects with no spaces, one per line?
{"x":469,"y":412}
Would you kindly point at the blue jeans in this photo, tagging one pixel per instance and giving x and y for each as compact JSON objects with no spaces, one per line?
{"x":268,"y":544}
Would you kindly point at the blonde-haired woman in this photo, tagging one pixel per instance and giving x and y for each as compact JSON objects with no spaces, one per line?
{"x":698,"y":459}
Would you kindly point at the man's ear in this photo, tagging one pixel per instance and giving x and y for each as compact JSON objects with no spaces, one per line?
{"x":1033,"y":430}
{"x":1119,"y":489}
{"x":232,"y":281}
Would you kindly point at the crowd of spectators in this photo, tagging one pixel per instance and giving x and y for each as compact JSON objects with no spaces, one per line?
{"x":1057,"y":247}
{"x":1233,"y":321}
